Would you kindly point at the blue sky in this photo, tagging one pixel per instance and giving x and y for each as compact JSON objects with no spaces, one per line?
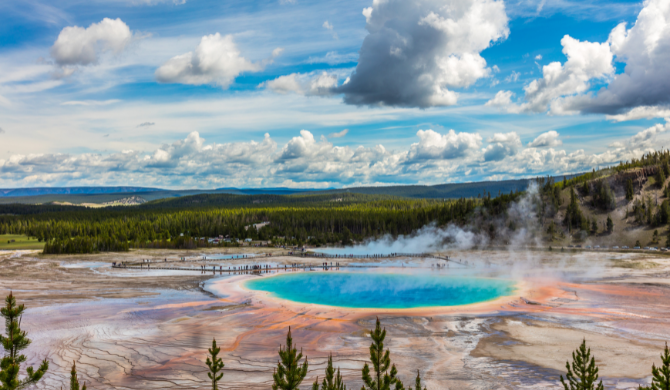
{"x":204,"y":93}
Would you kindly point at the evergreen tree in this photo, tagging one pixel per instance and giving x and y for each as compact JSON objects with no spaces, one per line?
{"x":551,"y":230}
{"x":331,"y":381}
{"x":381,"y":379}
{"x":74,"y":381}
{"x":417,"y":382}
{"x":660,"y":376}
{"x":585,"y":188}
{"x":630,"y":190}
{"x":574,"y":218}
{"x":584,"y":373}
{"x":346,"y":236}
{"x":610,"y":224}
{"x":215,"y":365}
{"x":13,"y":343}
{"x":594,"y":227}
{"x":660,"y":178}
{"x":289,"y":374}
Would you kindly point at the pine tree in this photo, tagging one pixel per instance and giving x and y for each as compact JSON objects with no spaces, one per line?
{"x":660,"y":376}
{"x":215,"y":365}
{"x":74,"y":381}
{"x":584,"y":373}
{"x":381,"y":361}
{"x":630,"y":190}
{"x":610,"y":224}
{"x":331,"y":381}
{"x":660,"y":178}
{"x":289,"y":374}
{"x":417,"y":383}
{"x":13,"y":343}
{"x":585,"y":188}
{"x":574,"y":218}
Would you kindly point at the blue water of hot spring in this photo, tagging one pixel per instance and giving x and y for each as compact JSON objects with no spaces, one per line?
{"x":381,"y":290}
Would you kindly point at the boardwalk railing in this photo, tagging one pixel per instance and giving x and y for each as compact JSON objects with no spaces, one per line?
{"x":359,"y":256}
{"x":259,"y":256}
{"x":238,"y":270}
{"x":162,"y":265}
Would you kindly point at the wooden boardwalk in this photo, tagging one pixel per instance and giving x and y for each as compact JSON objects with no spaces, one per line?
{"x":163,"y":265}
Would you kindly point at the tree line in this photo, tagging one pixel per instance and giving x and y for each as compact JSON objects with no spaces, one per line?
{"x":84,"y":230}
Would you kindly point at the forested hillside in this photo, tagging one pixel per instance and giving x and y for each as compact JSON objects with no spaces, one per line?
{"x":324,"y":218}
{"x":627,"y":204}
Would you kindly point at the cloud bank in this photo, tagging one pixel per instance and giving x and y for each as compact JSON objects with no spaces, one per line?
{"x":309,"y":161}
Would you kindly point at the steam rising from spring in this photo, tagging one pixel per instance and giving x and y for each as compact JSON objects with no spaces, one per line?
{"x":516,"y":238}
{"x":516,"y":230}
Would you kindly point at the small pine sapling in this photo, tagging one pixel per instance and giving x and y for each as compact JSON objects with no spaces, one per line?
{"x":215,"y":365}
{"x":583,"y":373}
{"x":289,"y":373}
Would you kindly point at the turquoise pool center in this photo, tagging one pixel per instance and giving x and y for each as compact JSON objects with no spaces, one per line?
{"x":382,"y":290}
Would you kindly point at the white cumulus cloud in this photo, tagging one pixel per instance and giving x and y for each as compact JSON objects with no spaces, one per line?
{"x":417,"y":53}
{"x":641,"y":112}
{"x":586,"y":61}
{"x":309,"y":84}
{"x":216,"y":60}
{"x":83,"y":46}
{"x":546,"y":140}
{"x":433,"y":145}
{"x":639,"y":92}
{"x":502,"y":145}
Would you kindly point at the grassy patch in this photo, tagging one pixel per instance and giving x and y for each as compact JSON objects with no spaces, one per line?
{"x":20,"y":242}
{"x":633,"y":264}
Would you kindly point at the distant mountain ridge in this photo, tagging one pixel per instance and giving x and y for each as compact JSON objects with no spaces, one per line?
{"x":12,"y":192}
{"x":81,"y":195}
{"x":37,"y":191}
{"x":271,"y":190}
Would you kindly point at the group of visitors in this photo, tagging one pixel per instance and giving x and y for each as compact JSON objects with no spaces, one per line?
{"x":324,"y":265}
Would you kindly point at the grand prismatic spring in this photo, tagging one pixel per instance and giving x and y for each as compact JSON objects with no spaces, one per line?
{"x":507,"y":320}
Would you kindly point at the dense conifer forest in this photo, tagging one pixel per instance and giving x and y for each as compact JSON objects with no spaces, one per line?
{"x":180,"y":223}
